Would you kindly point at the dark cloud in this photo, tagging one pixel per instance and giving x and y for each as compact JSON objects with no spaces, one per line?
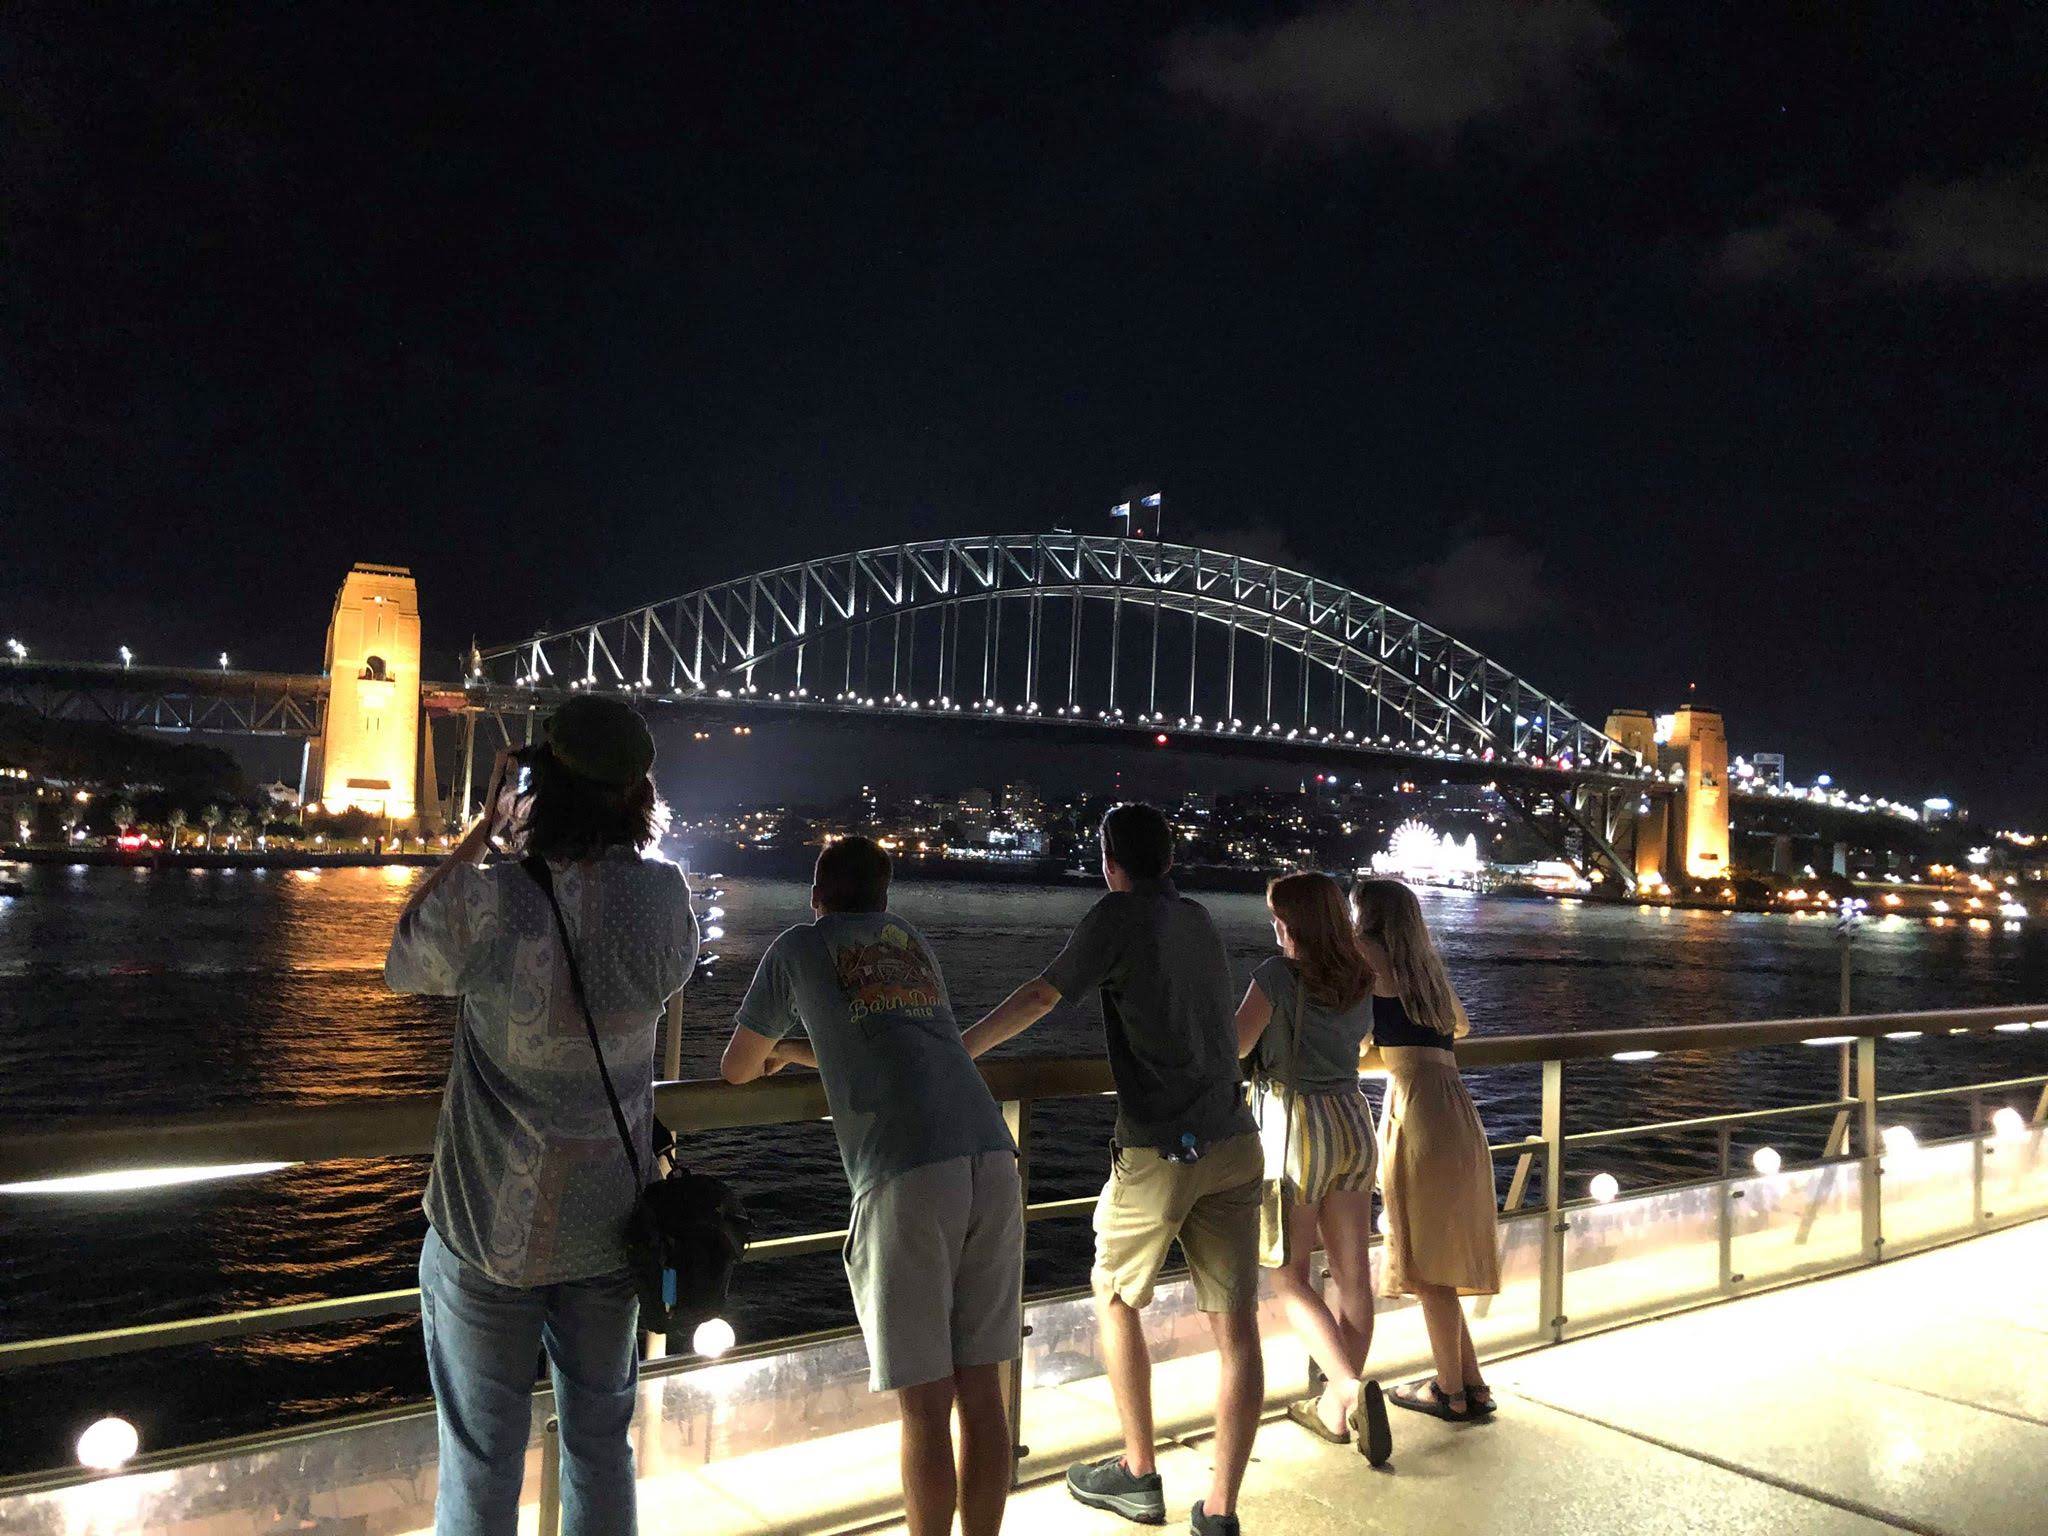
{"x":1489,"y":583}
{"x":1405,"y":68}
{"x":1794,"y":239}
{"x":1989,"y":229}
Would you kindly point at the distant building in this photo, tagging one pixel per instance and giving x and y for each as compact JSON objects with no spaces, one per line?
{"x":1768,"y":768}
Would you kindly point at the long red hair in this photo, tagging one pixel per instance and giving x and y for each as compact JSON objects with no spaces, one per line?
{"x":1334,"y":971}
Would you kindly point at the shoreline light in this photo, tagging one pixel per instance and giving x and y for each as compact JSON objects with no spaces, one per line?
{"x":121,"y":1180}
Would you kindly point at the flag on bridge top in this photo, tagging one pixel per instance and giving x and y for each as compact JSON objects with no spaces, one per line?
{"x":1152,"y":500}
{"x":1121,"y":509}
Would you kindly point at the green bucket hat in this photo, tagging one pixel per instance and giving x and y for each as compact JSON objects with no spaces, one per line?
{"x":602,"y":740}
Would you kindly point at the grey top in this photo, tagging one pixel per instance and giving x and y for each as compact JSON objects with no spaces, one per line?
{"x":529,"y":1181}
{"x":903,"y":1090}
{"x":1168,"y":1012}
{"x":1326,"y":1041}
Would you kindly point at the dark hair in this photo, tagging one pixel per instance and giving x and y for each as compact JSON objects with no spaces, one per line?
{"x":1138,"y":840}
{"x":852,"y":876}
{"x":578,"y":818}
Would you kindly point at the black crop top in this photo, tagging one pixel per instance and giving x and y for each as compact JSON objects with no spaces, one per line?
{"x":1392,"y":1026}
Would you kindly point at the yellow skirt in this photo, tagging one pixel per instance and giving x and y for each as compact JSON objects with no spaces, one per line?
{"x":1436,"y":1179}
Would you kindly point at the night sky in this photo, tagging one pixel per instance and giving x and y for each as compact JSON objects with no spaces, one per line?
{"x":1640,"y":347}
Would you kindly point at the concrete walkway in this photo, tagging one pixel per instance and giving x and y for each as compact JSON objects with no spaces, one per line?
{"x":1910,"y":1397}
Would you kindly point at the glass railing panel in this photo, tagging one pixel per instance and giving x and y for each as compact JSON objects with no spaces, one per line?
{"x":2016,"y":1174}
{"x":1631,"y":1257}
{"x":374,"y":1479}
{"x":1800,"y":1221}
{"x":1928,"y":1192}
{"x":1514,"y":1317}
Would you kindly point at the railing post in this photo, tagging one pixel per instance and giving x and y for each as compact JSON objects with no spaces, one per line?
{"x":1551,"y":1287}
{"x":1725,"y":1216}
{"x":551,"y":1477}
{"x":1871,"y":1147}
{"x":1017,"y":1115}
{"x":1977,"y":1212}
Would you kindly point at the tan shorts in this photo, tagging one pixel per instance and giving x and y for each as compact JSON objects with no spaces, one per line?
{"x":1210,"y":1205}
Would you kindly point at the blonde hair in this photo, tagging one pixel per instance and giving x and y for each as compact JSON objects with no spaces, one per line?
{"x":1335,"y":973}
{"x":1387,"y":913}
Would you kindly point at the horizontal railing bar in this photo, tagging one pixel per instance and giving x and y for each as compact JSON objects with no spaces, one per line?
{"x":403,"y":1126}
{"x":1705,"y":1122}
{"x":23,"y":1353}
{"x":1053,"y":1210}
{"x":2001,"y":1086}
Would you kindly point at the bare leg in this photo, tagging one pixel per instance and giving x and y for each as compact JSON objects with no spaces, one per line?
{"x":1240,"y":1398}
{"x":1445,"y":1320}
{"x":1469,"y":1355}
{"x":929,"y":1490}
{"x":1345,"y":1219}
{"x":1128,"y":1364}
{"x":1319,"y":1330}
{"x":985,"y":1449}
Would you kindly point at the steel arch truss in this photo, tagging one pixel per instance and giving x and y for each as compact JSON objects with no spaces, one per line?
{"x":1061,"y":625}
{"x":169,"y":699}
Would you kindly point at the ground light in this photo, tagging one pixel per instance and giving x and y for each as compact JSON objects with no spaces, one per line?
{"x":1765,"y":1160}
{"x":1605,"y":1187}
{"x":713,"y":1338}
{"x":107,"y":1444}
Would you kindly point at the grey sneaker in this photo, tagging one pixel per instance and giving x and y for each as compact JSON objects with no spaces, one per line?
{"x":1109,"y":1484}
{"x":1202,"y":1523}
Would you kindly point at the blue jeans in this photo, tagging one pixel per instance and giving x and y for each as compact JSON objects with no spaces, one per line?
{"x":483,"y":1342}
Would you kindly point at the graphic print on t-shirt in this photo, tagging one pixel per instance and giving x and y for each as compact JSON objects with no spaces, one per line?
{"x":890,"y":975}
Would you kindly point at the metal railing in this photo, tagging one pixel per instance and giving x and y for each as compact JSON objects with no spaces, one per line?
{"x":399,"y":1126}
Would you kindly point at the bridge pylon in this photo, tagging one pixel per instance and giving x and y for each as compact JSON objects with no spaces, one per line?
{"x":367,"y":754}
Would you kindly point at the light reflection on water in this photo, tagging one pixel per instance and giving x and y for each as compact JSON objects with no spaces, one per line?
{"x":127,"y":992}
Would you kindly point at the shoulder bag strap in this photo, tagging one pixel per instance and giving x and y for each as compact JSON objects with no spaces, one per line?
{"x":537,"y":868}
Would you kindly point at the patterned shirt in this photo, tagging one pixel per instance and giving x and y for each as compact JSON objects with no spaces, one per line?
{"x":530,"y":1183}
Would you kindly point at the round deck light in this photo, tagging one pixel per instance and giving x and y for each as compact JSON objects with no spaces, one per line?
{"x":2008,"y":1123}
{"x":713,"y":1337}
{"x":1900,"y":1142}
{"x":1605,"y":1187}
{"x":1765,"y":1160}
{"x":107,"y":1444}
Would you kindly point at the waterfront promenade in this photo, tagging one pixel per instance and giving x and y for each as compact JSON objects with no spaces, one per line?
{"x":1908,"y":1397}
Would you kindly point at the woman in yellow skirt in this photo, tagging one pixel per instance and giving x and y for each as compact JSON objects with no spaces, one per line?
{"x":1436,"y":1176}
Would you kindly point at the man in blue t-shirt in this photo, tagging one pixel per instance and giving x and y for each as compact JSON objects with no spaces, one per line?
{"x":935,"y":1251}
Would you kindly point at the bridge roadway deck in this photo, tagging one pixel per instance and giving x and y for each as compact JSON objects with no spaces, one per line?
{"x":1909,"y":1397}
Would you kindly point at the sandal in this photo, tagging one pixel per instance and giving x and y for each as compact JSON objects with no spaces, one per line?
{"x":1479,"y":1401}
{"x":1426,"y":1396}
{"x":1307,"y":1413}
{"x":1369,"y":1430}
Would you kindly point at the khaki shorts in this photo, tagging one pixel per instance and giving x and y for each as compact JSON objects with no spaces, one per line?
{"x":1210,"y":1205}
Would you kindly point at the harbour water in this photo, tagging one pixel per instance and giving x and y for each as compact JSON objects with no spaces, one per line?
{"x":134,"y":992}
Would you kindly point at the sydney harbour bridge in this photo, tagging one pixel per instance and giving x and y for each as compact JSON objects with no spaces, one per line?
{"x":1122,"y":640}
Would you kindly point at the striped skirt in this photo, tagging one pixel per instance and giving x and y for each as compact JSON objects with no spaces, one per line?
{"x":1332,"y":1146}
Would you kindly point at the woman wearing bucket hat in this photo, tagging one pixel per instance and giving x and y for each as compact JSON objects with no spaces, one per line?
{"x":531,"y":1184}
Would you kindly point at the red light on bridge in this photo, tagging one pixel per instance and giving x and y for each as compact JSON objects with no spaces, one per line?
{"x":1159,"y":740}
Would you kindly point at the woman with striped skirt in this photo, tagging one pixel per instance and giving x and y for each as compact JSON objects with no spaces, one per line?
{"x":1304,"y":1020}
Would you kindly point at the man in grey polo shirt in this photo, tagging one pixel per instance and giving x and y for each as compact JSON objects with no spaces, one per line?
{"x":935,"y":1251}
{"x":1186,"y":1163}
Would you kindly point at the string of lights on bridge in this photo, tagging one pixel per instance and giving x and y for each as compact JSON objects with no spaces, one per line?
{"x":1161,"y":723}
